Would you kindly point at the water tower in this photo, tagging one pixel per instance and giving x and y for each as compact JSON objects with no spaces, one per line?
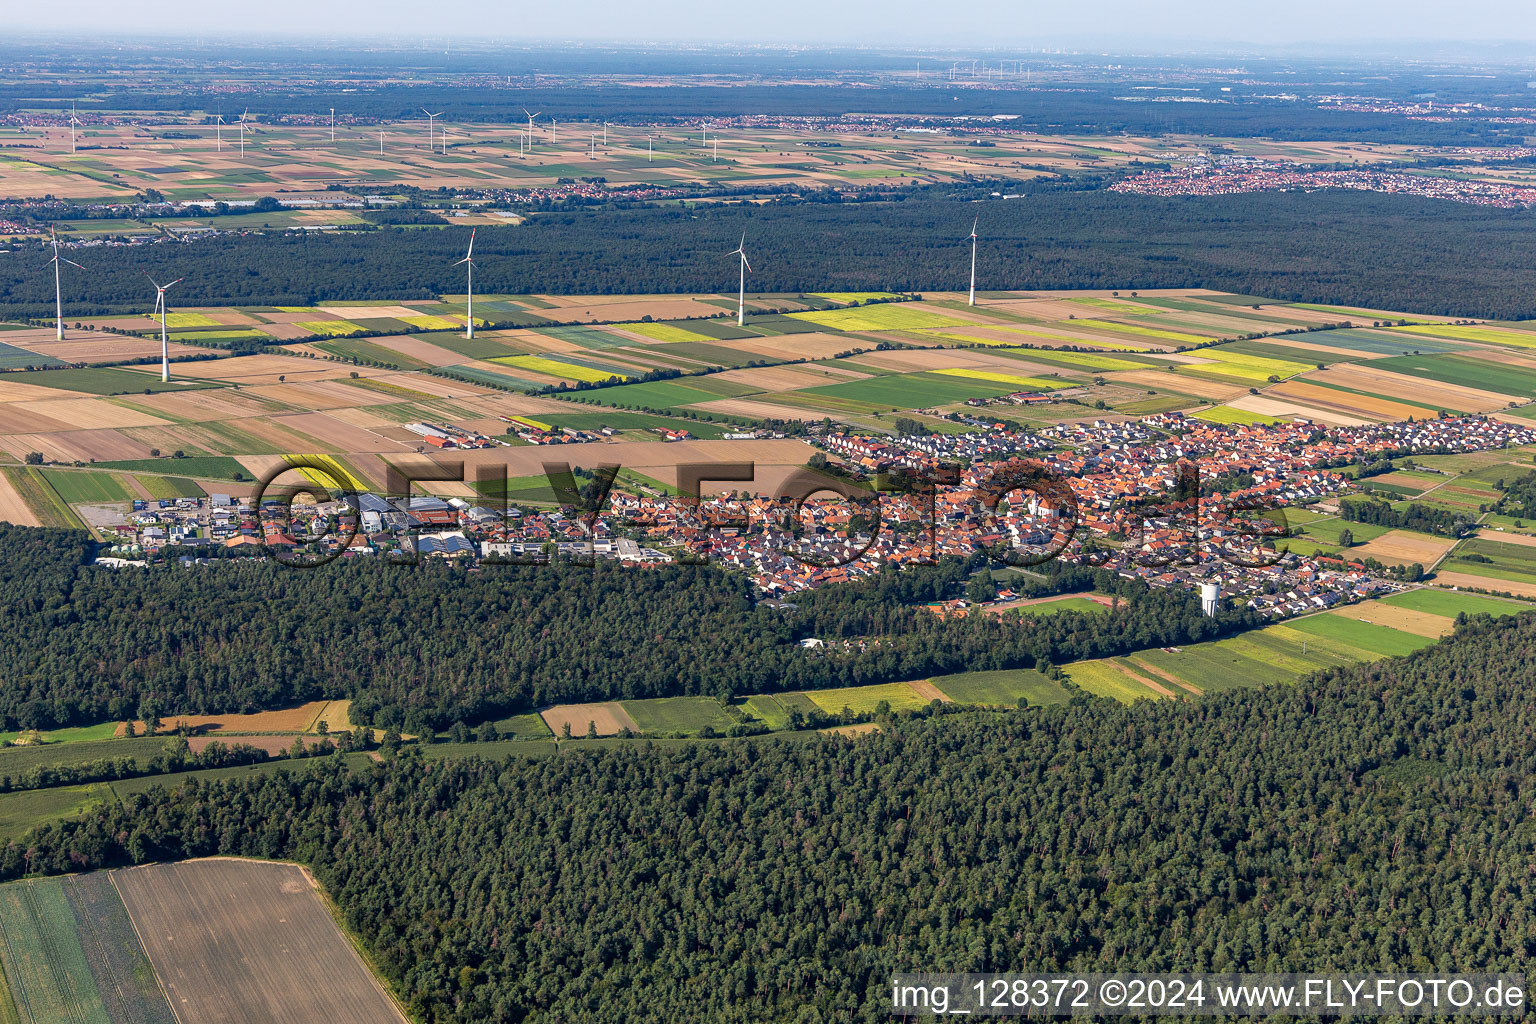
{"x":1209,"y":594}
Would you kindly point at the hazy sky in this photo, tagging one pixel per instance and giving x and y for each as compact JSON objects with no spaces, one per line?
{"x":817,"y":22}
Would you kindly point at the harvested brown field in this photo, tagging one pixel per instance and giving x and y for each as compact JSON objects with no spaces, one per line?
{"x":1163,"y":381}
{"x":1467,"y":581}
{"x":249,"y":942}
{"x":609,"y":718}
{"x":75,"y":445}
{"x":12,"y":391}
{"x":97,"y":412}
{"x":1507,"y":537}
{"x":1405,"y":619}
{"x":789,"y":378}
{"x":113,"y":347}
{"x":13,"y":508}
{"x":421,"y":351}
{"x":363,"y":312}
{"x":15,"y":418}
{"x":1403,"y":547}
{"x":1267,"y":406}
{"x":264,"y":369}
{"x":1359,"y":405}
{"x":928,"y":691}
{"x":290,"y":720}
{"x":759,"y":410}
{"x":283,"y":332}
{"x":1362,"y":377}
{"x":799,"y":346}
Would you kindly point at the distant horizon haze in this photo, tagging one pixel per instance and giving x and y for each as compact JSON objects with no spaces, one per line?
{"x":1373,"y":25}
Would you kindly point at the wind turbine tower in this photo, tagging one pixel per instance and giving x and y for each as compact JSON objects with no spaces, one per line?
{"x":58,"y":291}
{"x":74,"y":122}
{"x":531,"y":115}
{"x":165,"y":348}
{"x":741,"y":294}
{"x":973,"y":259}
{"x":469,"y":287}
{"x":333,"y":124}
{"x":242,"y":131}
{"x":431,"y":128}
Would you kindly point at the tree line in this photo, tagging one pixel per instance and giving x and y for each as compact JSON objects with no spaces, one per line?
{"x":421,"y":647}
{"x":1382,"y":251}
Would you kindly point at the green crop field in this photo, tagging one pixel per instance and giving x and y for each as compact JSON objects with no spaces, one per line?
{"x":170,"y":487}
{"x":661,"y":394}
{"x":1227,"y":414}
{"x":13,"y":358}
{"x":86,"y":487}
{"x":45,"y":502}
{"x":1496,"y":561}
{"x":1450,"y":604}
{"x":1465,"y":371}
{"x":73,"y":734}
{"x":911,"y":390}
{"x":766,"y":708}
{"x":1105,"y":680}
{"x":215,"y":467}
{"x":1367,"y":636}
{"x":679,"y":714}
{"x":1001,"y":688}
{"x":45,"y":966}
{"x":106,"y":380}
{"x":124,"y":976}
{"x":21,"y":812}
{"x":864,"y":699}
{"x":524,"y":727}
{"x":1209,"y":667}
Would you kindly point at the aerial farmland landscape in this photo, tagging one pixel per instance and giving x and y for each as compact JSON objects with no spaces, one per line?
{"x":675,"y":515}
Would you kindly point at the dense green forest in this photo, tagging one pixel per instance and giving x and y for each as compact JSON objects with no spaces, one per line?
{"x":427,"y":645}
{"x":1376,"y":819}
{"x":1392,"y":252}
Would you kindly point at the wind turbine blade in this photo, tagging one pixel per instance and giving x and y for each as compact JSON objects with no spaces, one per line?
{"x":177,"y":281}
{"x":471,"y":251}
{"x":151,"y":280}
{"x":747,"y":262}
{"x":74,"y":264}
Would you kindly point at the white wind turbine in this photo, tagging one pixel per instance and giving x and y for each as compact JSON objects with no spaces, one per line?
{"x":381,"y":142}
{"x":333,"y":124}
{"x":58,"y":292}
{"x":218,"y":129}
{"x":74,"y":122}
{"x":165,"y":348}
{"x":741,"y":295}
{"x":973,"y":259}
{"x":431,"y":128}
{"x":241,"y":125}
{"x":469,"y":286}
{"x":531,"y":115}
